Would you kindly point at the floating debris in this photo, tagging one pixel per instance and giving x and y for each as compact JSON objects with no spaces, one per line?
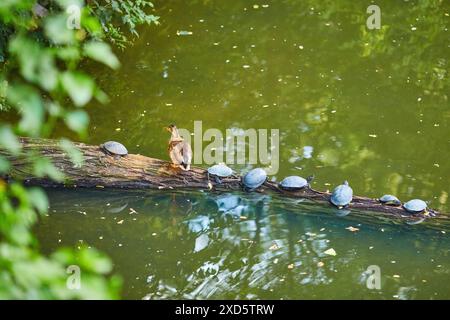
{"x":291,"y":266}
{"x":352,"y":229}
{"x":320,"y":264}
{"x":184,"y":33}
{"x":120,"y":222}
{"x":330,"y":252}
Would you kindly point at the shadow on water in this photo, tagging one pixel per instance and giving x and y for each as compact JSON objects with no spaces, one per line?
{"x":205,"y":245}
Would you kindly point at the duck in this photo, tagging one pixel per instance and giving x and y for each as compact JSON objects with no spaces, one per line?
{"x":180,"y":152}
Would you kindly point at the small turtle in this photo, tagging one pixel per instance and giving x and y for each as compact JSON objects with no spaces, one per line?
{"x":219,"y":171}
{"x":415,"y":206}
{"x":342,"y":195}
{"x":295,"y":183}
{"x":114,"y":148}
{"x":390,"y":200}
{"x":254,"y":178}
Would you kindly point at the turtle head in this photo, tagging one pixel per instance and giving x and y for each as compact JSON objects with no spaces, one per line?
{"x":345,"y":183}
{"x":310,"y":178}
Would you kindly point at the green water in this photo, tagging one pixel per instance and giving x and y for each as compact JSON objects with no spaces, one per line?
{"x":369,"y":106}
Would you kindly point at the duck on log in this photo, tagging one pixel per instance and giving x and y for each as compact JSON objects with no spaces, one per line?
{"x":133,"y":171}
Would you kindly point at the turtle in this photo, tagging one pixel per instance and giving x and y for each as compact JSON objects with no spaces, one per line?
{"x":254,"y":179}
{"x":114,"y":148}
{"x":415,"y":206}
{"x":390,"y":200}
{"x":219,"y":171}
{"x":295,"y":183}
{"x":342,"y":195}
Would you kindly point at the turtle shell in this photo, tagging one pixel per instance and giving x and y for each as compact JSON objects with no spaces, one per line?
{"x":115,"y":148}
{"x":254,"y":178}
{"x":389,"y":199}
{"x":415,"y":206}
{"x":342,"y":195}
{"x":293,"y":182}
{"x":220,"y":170}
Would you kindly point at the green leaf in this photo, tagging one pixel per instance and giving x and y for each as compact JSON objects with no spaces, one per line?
{"x":37,"y":64}
{"x":67,"y":3}
{"x":77,"y":121}
{"x":4,"y":165}
{"x":101,"y":52}
{"x":56,"y":29}
{"x":78,"y":86}
{"x":39,"y":199}
{"x":68,"y":53}
{"x":95,"y":261}
{"x":101,"y":96}
{"x":43,"y":167}
{"x":8,"y":139}
{"x":29,"y":104}
{"x":72,"y":151}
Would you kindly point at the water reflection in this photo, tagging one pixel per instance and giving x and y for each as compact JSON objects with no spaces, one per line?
{"x":205,"y":245}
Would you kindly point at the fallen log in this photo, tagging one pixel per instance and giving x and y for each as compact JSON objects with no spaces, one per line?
{"x":140,"y":172}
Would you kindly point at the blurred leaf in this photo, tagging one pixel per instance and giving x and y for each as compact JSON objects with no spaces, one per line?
{"x":8,"y":140}
{"x":91,"y":24}
{"x":101,"y":96}
{"x":68,"y":53}
{"x":28,"y":102}
{"x":72,"y":151}
{"x":94,"y":261}
{"x":54,"y":109}
{"x":67,"y":3}
{"x":101,"y":52}
{"x":77,"y":121}
{"x":36,"y":63}
{"x":4,"y":165}
{"x":78,"y":86}
{"x":56,"y":29}
{"x":39,"y":199}
{"x":43,"y":167}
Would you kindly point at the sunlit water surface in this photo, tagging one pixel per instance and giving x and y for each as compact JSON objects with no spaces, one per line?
{"x":367,"y":106}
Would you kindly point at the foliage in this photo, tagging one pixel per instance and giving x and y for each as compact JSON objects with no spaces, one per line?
{"x":129,"y":13}
{"x":42,"y":86}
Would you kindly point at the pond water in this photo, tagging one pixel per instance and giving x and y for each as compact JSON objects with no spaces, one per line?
{"x":369,"y":106}
{"x":204,"y":245}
